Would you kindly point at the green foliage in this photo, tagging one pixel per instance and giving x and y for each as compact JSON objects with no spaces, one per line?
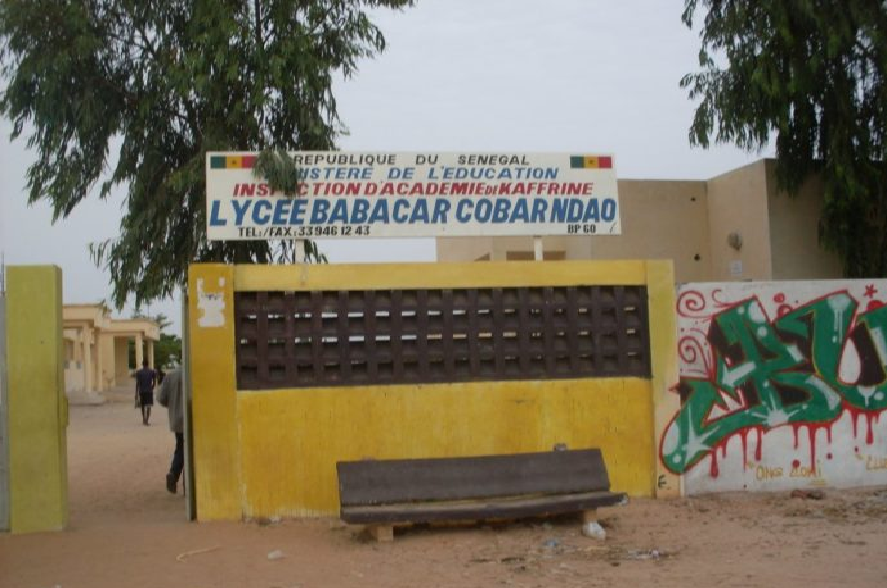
{"x":282,"y":174}
{"x":812,"y":74}
{"x":161,"y":83}
{"x":167,"y":351}
{"x":276,"y":166}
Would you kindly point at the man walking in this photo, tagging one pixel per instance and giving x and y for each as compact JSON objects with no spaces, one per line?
{"x":171,"y":398}
{"x":145,"y":380}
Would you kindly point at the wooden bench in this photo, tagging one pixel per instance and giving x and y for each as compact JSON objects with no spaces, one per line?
{"x":383,"y":493}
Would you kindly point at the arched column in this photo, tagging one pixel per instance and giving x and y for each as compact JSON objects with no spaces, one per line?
{"x":87,"y":360}
{"x":140,"y":350}
{"x":99,"y":363}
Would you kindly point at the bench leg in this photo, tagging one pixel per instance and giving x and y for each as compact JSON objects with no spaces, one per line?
{"x":382,"y":533}
{"x":590,"y":526}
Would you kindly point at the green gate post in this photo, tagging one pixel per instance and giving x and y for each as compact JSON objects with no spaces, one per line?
{"x":37,"y":407}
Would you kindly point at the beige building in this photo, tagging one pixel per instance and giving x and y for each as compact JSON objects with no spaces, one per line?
{"x":736,"y":226}
{"x":97,"y":347}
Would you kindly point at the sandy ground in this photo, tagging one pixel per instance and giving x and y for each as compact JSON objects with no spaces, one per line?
{"x":127,"y":531}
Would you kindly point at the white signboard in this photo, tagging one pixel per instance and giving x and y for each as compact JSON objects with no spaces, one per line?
{"x":358,"y":195}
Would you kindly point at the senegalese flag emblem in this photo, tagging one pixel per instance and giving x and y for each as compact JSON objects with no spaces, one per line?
{"x":591,"y":162}
{"x":232,"y":161}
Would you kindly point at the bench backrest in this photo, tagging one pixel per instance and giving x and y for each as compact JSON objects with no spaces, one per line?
{"x":369,"y":482}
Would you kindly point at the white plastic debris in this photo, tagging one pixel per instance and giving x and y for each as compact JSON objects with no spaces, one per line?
{"x":646,"y":554}
{"x":594,"y":530}
{"x":276,"y":554}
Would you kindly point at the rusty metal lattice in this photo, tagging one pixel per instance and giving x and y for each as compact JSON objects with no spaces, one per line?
{"x":348,"y":338}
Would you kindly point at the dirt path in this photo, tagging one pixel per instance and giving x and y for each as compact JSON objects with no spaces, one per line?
{"x":127,"y":531}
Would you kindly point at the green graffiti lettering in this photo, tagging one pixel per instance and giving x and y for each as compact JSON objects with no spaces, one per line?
{"x":779,"y":373}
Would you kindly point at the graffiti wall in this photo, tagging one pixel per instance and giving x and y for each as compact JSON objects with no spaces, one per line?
{"x":782,"y":385}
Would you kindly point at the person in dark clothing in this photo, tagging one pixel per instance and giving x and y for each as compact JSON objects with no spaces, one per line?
{"x":145,"y":380}
{"x":171,"y":398}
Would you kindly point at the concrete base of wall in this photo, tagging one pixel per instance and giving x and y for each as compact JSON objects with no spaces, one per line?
{"x":81,"y":398}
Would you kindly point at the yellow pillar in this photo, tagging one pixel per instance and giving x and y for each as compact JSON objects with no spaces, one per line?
{"x":78,"y":346}
{"x":151,"y":353}
{"x":216,"y":438}
{"x":140,"y":350}
{"x":663,"y":363}
{"x":38,"y":411}
{"x":99,"y":353}
{"x":87,"y":360}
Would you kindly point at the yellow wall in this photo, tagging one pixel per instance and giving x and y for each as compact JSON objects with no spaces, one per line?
{"x":321,"y":426}
{"x":37,"y":407}
{"x":265,"y":453}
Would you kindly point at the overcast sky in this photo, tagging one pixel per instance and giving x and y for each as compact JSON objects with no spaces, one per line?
{"x":458,"y":75}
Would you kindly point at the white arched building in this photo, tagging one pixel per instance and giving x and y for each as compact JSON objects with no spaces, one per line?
{"x":97,"y":348}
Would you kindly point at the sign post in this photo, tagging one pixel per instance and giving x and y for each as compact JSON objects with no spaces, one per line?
{"x":365,"y":195}
{"x":537,"y":248}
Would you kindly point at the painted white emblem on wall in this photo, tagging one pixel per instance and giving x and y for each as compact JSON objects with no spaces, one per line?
{"x":211,"y":305}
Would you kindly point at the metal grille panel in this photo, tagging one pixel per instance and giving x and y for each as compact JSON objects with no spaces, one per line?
{"x":348,"y":338}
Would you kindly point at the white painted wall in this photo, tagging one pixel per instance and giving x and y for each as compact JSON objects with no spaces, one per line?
{"x":793,"y":401}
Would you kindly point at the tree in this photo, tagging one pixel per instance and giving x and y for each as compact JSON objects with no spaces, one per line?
{"x":812,"y":74}
{"x":162,"y":83}
{"x":167,"y":350}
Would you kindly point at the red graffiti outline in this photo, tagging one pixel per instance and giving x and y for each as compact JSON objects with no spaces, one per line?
{"x":720,"y":303}
{"x":689,"y":348}
{"x":691,"y":301}
{"x":872,"y":416}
